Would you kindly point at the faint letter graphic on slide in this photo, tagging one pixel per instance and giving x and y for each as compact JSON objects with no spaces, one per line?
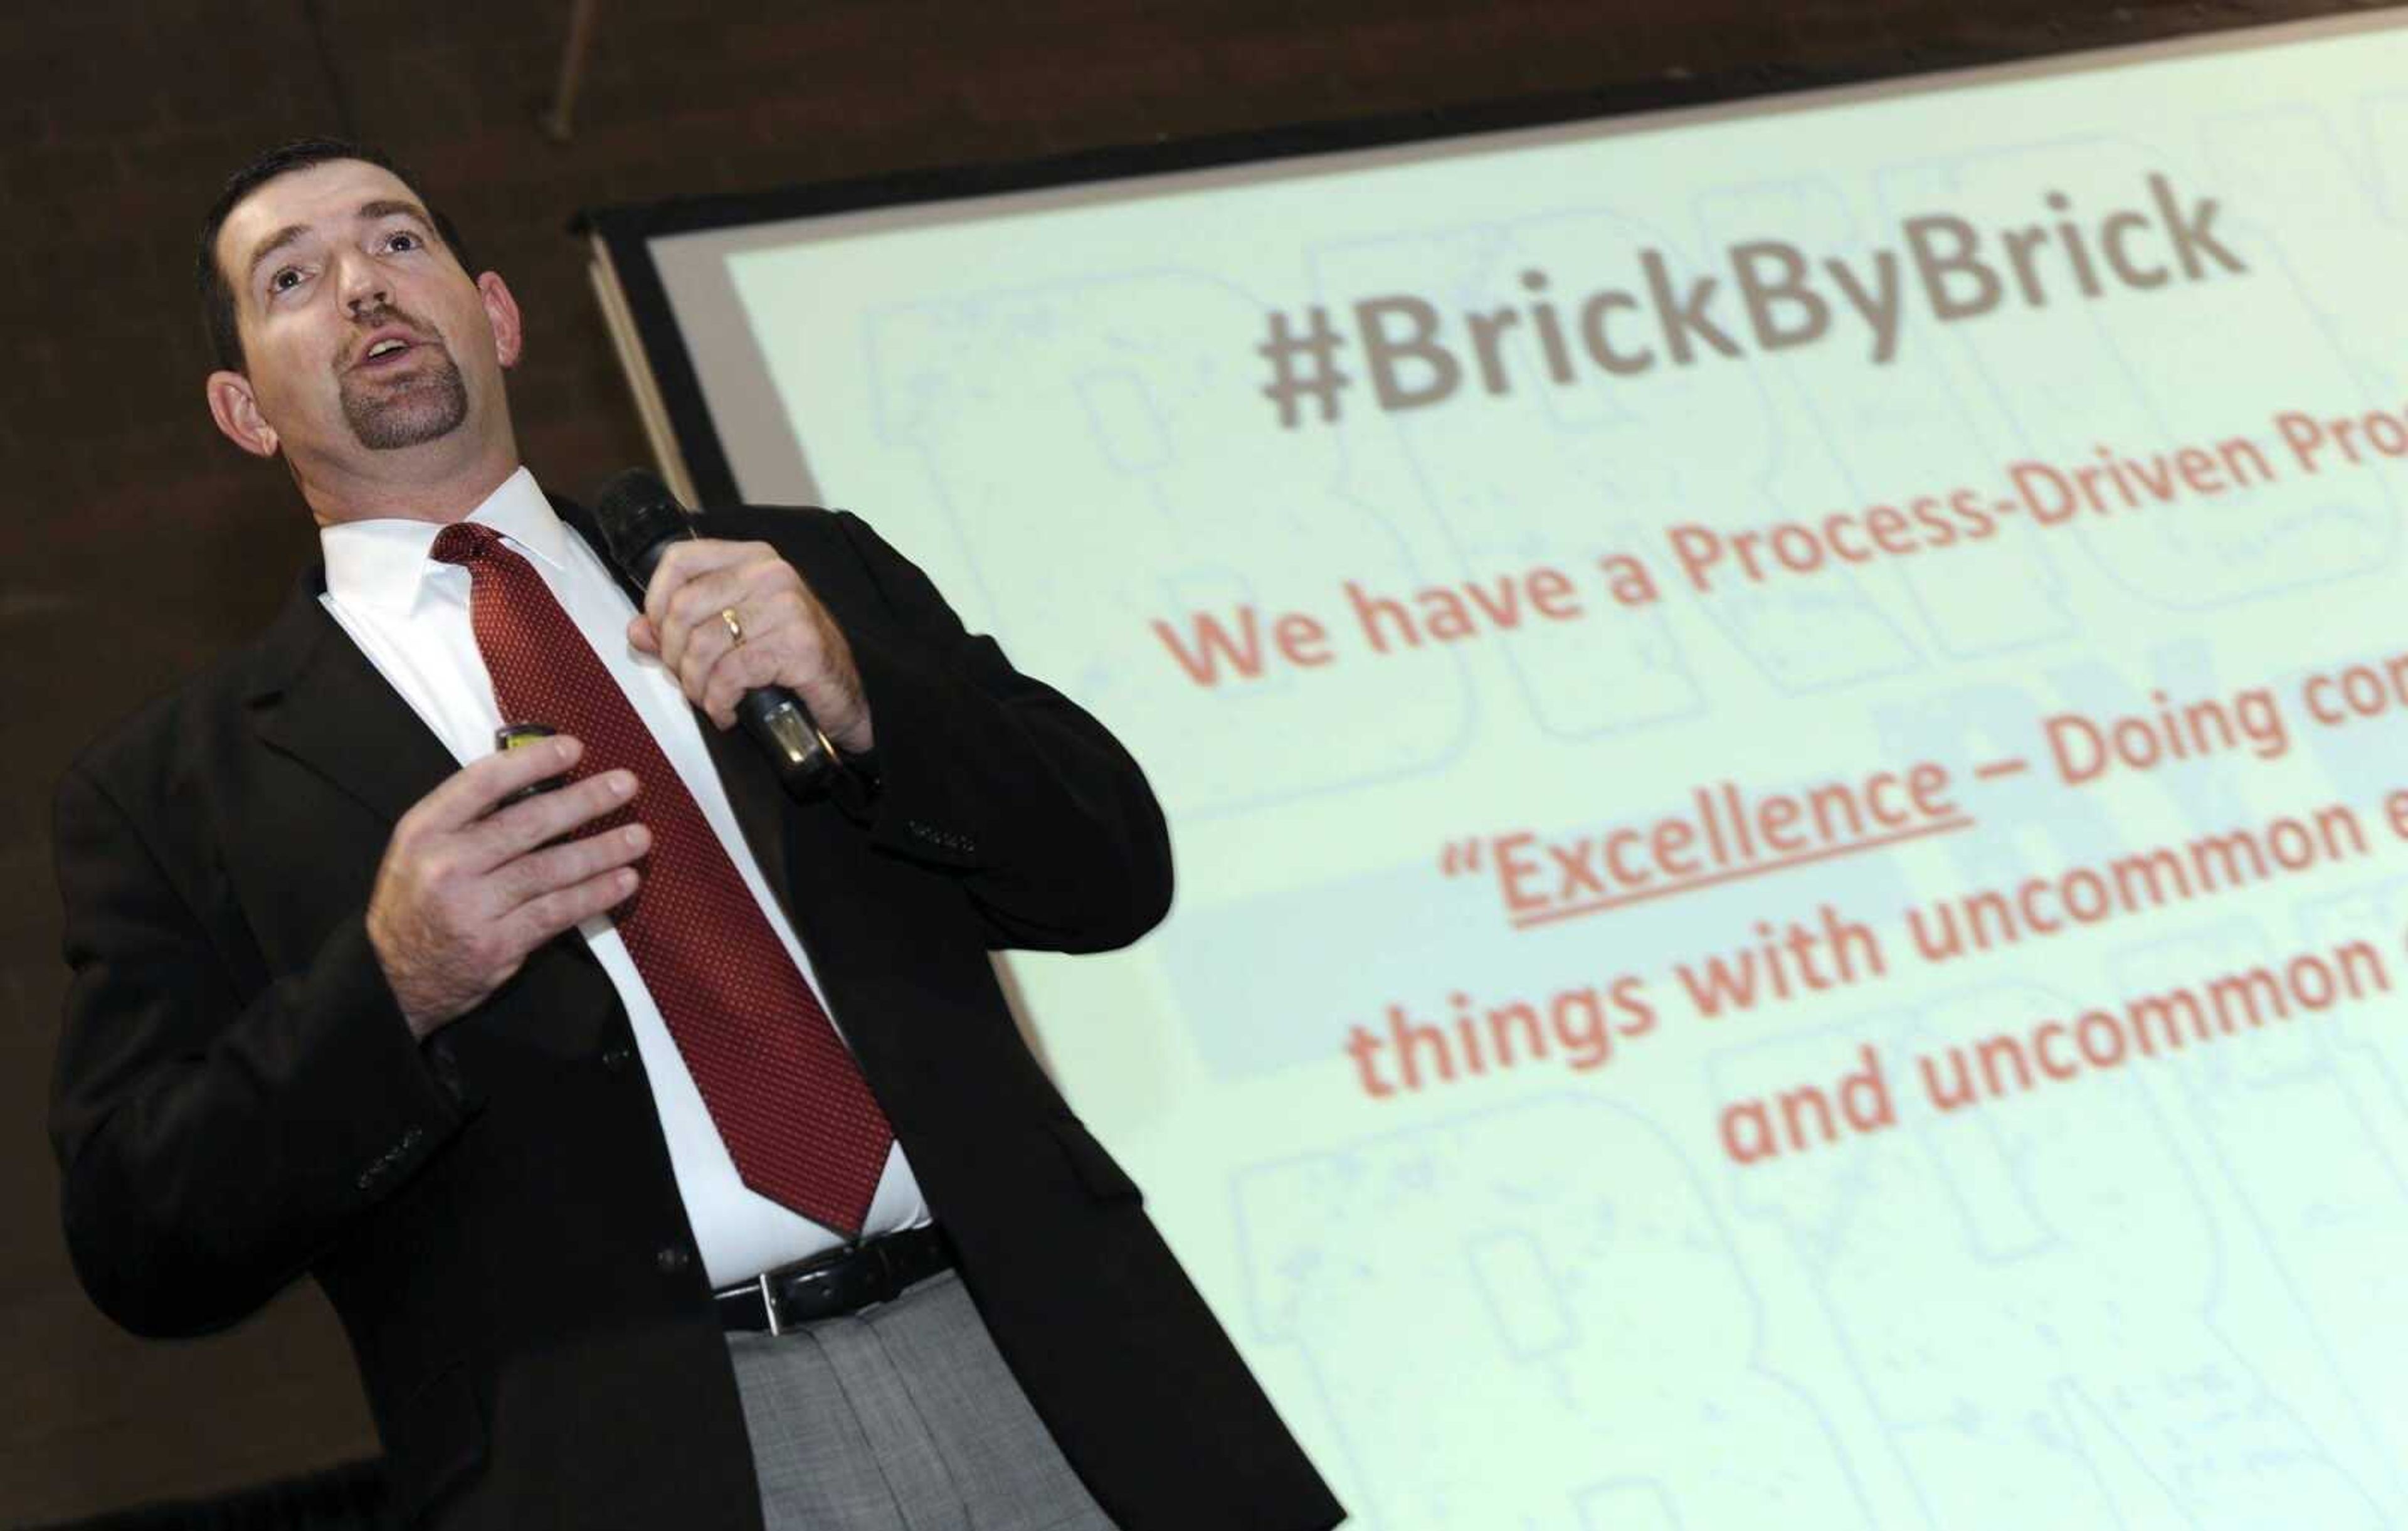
{"x":1525,"y":1310}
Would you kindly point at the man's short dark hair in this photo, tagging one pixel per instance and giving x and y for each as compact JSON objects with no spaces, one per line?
{"x":216,"y":291}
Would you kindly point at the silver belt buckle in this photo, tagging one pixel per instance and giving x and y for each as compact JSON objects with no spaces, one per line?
{"x":769,"y":1304}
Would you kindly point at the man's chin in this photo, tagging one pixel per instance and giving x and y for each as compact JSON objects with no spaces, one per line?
{"x":410,"y":420}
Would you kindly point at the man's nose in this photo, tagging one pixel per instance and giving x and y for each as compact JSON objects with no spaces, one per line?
{"x":363,"y":286}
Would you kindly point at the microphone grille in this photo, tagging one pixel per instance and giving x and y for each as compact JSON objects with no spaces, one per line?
{"x":637,"y":511}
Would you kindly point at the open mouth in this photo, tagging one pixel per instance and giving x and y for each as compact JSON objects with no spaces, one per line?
{"x":390,"y":345}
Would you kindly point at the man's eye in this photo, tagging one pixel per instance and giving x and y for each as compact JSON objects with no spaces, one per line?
{"x":284,"y":281}
{"x":401,"y":240}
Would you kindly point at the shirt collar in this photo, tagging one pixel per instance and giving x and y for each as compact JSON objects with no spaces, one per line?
{"x":385,"y":564}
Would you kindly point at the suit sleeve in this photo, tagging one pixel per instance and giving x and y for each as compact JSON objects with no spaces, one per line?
{"x":211,"y":1147}
{"x":999,"y":779}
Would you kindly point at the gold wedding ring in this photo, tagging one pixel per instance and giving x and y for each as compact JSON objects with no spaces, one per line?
{"x":734,"y":628}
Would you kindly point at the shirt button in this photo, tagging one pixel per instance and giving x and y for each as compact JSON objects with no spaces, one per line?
{"x":671,"y":1259}
{"x":615,"y":1059}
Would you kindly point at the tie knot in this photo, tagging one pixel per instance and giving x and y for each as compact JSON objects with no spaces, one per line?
{"x":465,"y":542}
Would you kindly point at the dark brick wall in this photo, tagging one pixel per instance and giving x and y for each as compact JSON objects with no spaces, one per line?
{"x":135,"y":543}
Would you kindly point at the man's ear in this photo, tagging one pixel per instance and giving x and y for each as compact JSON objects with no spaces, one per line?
{"x":502,"y":313}
{"x":236,"y":409}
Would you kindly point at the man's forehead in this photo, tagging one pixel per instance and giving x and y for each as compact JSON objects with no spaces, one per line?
{"x":315,"y":195}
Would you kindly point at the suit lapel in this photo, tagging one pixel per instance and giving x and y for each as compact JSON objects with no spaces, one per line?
{"x":321,"y":703}
{"x":753,"y":789}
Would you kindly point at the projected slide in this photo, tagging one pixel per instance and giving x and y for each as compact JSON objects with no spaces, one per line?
{"x":1787,"y":731}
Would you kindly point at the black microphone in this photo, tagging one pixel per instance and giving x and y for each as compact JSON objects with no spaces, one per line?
{"x":640,"y":520}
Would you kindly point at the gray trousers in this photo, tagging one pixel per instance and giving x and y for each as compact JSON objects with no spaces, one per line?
{"x":901,"y":1417}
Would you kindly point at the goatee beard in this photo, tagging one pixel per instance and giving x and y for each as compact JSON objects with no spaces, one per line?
{"x":387,"y":417}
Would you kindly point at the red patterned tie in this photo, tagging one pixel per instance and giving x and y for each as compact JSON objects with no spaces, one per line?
{"x":786,"y":1096}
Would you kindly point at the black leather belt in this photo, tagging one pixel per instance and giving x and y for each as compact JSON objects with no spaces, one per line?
{"x":839,"y":1282}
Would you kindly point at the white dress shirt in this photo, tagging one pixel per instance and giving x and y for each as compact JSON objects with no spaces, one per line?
{"x":410,"y":615}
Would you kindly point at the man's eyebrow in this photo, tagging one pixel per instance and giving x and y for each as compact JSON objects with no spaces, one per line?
{"x":387,"y":207}
{"x":273,"y":243}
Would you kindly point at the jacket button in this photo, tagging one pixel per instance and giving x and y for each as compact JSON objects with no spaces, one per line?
{"x":615,"y":1059}
{"x":672,"y":1259}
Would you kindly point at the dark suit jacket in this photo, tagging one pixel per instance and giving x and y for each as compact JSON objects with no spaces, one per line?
{"x":238,"y":1101}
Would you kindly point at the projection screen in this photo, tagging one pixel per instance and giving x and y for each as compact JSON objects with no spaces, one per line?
{"x":1783,"y":724}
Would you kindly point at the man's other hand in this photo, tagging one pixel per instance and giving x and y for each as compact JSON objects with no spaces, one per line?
{"x":781,"y":636}
{"x":465,"y":893}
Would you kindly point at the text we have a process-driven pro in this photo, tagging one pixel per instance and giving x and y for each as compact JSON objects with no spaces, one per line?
{"x":1245,"y":643}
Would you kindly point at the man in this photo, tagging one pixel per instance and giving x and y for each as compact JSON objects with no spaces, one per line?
{"x":538,"y":1078}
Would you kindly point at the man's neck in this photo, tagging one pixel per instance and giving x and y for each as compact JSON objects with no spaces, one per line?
{"x":441,"y":500}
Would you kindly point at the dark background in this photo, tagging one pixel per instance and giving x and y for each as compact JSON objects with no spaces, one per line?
{"x":136,"y":543}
